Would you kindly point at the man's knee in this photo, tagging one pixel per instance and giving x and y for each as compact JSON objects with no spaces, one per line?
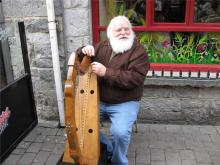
{"x":120,"y":133}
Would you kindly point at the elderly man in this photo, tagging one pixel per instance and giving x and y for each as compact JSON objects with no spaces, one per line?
{"x":121,"y":65}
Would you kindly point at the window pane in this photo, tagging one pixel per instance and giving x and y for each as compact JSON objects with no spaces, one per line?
{"x":3,"y":80}
{"x":134,"y":9}
{"x":11,"y":62}
{"x":207,"y":11}
{"x":170,"y":11}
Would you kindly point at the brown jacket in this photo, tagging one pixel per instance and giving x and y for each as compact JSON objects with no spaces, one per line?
{"x":125,"y":73}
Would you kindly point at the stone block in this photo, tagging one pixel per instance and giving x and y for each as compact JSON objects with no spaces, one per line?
{"x":215,"y":160}
{"x":58,"y":148}
{"x":187,"y":154}
{"x":40,"y":138}
{"x":53,"y":159}
{"x":73,"y":43}
{"x":47,"y":112}
{"x":37,"y":26}
{"x":157,"y":91}
{"x":209,"y":93}
{"x":48,"y":124}
{"x":24,"y":8}
{"x":18,"y":151}
{"x":173,"y":158}
{"x":46,"y":98}
{"x":46,"y":74}
{"x":175,"y":116}
{"x":41,"y":157}
{"x":48,"y":147}
{"x":185,"y":92}
{"x":42,"y":63}
{"x":75,"y":4}
{"x":188,"y":103}
{"x":191,"y":162}
{"x":76,"y":22}
{"x":38,"y":38}
{"x":158,"y":162}
{"x":202,"y":157}
{"x":34,"y":147}
{"x":27,"y":158}
{"x":161,"y":104}
{"x":40,"y":85}
{"x":157,"y":155}
{"x":23,"y":145}
{"x":29,"y":8}
{"x":12,"y":159}
{"x":143,"y":156}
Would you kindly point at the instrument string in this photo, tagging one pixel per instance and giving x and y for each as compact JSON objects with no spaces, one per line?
{"x":84,"y":107}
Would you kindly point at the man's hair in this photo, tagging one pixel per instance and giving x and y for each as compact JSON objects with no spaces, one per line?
{"x":114,"y":22}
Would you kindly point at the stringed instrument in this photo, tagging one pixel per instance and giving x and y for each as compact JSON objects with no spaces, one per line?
{"x":81,"y":113}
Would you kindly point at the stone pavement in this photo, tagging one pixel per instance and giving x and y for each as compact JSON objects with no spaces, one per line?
{"x":154,"y":144}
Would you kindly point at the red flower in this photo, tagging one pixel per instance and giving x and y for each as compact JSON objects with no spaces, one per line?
{"x":201,"y":47}
{"x":166,"y":44}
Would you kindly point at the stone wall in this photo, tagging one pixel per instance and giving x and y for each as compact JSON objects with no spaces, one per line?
{"x":181,"y":101}
{"x":34,"y":15}
{"x":77,"y":24}
{"x":74,"y":30}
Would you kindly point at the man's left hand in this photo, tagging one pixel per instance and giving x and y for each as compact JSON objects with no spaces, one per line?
{"x":98,"y":69}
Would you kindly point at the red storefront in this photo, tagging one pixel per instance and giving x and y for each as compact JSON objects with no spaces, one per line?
{"x":179,"y":35}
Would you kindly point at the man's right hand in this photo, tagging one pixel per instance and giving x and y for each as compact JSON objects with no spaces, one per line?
{"x":88,"y":50}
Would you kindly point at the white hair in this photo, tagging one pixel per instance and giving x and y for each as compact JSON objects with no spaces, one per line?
{"x":116,"y":20}
{"x":120,"y":46}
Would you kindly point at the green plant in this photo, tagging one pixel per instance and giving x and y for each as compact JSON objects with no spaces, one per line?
{"x":190,"y":48}
{"x":119,"y":8}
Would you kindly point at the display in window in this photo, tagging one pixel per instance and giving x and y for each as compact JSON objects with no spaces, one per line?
{"x":182,"y":48}
{"x":135,"y":10}
{"x":207,"y":11}
{"x":172,"y":11}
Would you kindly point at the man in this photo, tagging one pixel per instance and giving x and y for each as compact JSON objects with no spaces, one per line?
{"x":121,"y":65}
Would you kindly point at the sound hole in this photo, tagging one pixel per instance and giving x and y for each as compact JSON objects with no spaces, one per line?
{"x":92,"y":91}
{"x":81,"y":91}
{"x":90,"y":131}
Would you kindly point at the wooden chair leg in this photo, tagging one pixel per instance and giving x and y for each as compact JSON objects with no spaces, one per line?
{"x":136,"y":127}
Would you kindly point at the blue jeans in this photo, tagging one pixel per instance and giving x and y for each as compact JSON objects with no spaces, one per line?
{"x":122,"y":117}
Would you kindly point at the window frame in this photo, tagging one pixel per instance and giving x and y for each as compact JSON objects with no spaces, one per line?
{"x":151,"y":25}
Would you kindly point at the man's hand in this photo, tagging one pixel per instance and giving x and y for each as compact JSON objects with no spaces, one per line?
{"x":98,"y":69}
{"x":88,"y":50}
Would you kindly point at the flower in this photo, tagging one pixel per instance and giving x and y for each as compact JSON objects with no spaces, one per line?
{"x":166,"y":44}
{"x":201,"y":47}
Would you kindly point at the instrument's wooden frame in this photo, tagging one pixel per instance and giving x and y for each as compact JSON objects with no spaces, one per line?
{"x":85,"y":97}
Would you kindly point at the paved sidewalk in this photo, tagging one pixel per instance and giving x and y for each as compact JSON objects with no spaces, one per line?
{"x":154,"y":144}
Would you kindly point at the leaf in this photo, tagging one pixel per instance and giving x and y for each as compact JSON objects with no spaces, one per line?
{"x":203,"y":39}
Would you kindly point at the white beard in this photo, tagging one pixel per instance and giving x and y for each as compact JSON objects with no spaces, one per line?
{"x":122,"y":45}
